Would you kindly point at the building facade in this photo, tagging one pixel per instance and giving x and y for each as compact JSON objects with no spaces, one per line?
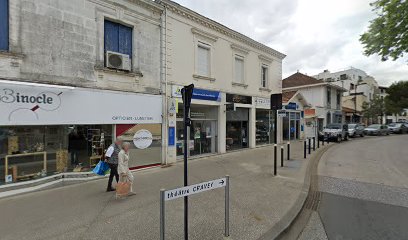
{"x":324,"y":99}
{"x":234,"y":77}
{"x":74,"y":75}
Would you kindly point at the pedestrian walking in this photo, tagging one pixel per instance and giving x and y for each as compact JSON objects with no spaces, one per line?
{"x":125,"y":174}
{"x":112,"y":157}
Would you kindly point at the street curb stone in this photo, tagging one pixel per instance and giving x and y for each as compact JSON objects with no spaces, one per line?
{"x":285,"y":222}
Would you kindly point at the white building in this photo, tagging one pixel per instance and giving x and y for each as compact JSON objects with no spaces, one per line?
{"x":227,"y":69}
{"x":324,"y":99}
{"x":359,"y":86}
{"x":64,"y":97}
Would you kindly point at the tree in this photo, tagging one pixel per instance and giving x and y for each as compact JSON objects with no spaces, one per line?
{"x":374,"y":109}
{"x":398,"y":95}
{"x":387,"y":34}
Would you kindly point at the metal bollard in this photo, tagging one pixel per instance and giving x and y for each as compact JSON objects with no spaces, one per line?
{"x":304,"y":149}
{"x":275,"y":160}
{"x":310,"y":144}
{"x":227,"y":206}
{"x":162,"y":214}
{"x":318,"y":142}
{"x":282,"y":156}
{"x":314,"y":144}
{"x":288,"y":150}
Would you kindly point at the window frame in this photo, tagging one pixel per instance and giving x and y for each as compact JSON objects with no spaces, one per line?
{"x":328,"y":97}
{"x":208,"y":47}
{"x":240,"y":58}
{"x":118,"y":24}
{"x":264,"y":76}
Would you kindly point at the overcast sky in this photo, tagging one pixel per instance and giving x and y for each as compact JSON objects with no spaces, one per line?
{"x":314,"y":34}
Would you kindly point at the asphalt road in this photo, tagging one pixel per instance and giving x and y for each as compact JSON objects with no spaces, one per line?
{"x":364,"y":191}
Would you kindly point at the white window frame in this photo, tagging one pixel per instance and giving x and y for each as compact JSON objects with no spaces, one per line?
{"x":206,"y":46}
{"x":241,"y":58}
{"x":265,"y":61}
{"x":266,"y":80}
{"x":207,"y":40}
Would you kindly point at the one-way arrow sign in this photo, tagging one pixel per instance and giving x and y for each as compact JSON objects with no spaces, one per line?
{"x":193,"y":189}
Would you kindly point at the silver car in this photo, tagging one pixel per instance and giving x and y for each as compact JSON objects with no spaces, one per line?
{"x":377,"y":129}
{"x":397,"y":128}
{"x":355,"y":129}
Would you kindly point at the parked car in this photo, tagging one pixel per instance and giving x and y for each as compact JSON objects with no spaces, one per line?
{"x":377,"y":129}
{"x":336,"y":132}
{"x":355,"y":129}
{"x":398,"y":128}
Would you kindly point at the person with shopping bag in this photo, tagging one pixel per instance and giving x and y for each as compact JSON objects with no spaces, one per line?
{"x":124,"y":187}
{"x":112,"y":157}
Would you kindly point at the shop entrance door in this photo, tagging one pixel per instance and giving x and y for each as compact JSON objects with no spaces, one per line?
{"x":292,"y":129}
{"x":237,"y":135}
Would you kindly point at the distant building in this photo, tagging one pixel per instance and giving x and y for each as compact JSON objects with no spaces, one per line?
{"x":324,"y":98}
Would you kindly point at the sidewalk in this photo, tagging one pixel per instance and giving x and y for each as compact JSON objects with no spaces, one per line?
{"x":260,"y":203}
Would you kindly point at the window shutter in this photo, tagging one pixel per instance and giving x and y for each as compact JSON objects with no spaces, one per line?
{"x":111,"y":36}
{"x":4,"y":25}
{"x":203,"y":61}
{"x":239,"y":70}
{"x":125,"y":40}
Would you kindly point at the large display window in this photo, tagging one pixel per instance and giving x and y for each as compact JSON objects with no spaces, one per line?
{"x":291,"y":125}
{"x":147,"y":154}
{"x":202,"y":133}
{"x":237,"y":129}
{"x":264,"y":127}
{"x":30,"y":152}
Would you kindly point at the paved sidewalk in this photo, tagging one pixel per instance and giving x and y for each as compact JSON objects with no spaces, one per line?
{"x":259,"y":202}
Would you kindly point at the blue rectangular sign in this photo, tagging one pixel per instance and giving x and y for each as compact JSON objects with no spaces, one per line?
{"x":172,"y":136}
{"x":291,"y":105}
{"x":206,"y":95}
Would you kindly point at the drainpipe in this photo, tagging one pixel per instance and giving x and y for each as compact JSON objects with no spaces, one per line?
{"x":163,"y":79}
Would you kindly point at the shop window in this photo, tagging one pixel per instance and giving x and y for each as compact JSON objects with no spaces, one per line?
{"x":143,"y":156}
{"x":203,"y":59}
{"x":32,"y":152}
{"x":239,"y":69}
{"x":264,"y":76}
{"x":338,"y":99}
{"x":118,"y":38}
{"x":4,"y":25}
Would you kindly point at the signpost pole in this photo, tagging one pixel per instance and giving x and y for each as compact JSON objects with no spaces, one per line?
{"x":276,"y":127}
{"x":162,"y":214}
{"x":314,"y":144}
{"x":227,"y":203}
{"x":304,"y":149}
{"x":310,"y":144}
{"x":187,"y":93}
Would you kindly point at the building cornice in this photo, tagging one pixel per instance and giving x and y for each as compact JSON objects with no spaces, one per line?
{"x":149,"y":5}
{"x":215,"y":26}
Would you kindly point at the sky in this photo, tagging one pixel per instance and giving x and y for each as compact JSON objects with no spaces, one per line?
{"x":314,"y":34}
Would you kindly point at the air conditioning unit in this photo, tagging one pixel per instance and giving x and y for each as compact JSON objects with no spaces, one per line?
{"x":118,"y":61}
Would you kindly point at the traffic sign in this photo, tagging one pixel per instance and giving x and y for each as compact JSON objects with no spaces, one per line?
{"x":193,"y":189}
{"x":281,"y":113}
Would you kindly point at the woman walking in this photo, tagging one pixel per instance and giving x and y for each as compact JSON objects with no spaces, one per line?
{"x":123,"y":166}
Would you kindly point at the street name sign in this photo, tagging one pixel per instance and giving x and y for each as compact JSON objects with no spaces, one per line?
{"x":193,"y":189}
{"x":281,"y":113}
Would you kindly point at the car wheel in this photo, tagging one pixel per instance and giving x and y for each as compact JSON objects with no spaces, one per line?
{"x":346,"y":137}
{"x":338,"y":138}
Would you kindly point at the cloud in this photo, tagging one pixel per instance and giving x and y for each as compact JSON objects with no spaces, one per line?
{"x":314,"y":34}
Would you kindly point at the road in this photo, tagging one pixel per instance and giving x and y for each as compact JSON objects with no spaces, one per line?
{"x":362,"y":191}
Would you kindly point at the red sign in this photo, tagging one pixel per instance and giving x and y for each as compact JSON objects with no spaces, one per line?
{"x":310,"y":112}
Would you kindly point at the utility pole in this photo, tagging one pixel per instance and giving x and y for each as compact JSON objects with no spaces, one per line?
{"x":187,"y":94}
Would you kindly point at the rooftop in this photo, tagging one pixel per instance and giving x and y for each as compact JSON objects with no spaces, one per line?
{"x":299,"y":79}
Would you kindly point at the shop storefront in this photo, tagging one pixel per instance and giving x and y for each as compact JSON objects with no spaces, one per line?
{"x":264,"y":121}
{"x":237,"y":123}
{"x":292,"y":126}
{"x":203,"y":132}
{"x":47,"y":129}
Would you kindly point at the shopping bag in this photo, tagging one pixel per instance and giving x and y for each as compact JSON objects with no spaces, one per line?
{"x":100,"y":168}
{"x":107,"y":172}
{"x":123,"y":188}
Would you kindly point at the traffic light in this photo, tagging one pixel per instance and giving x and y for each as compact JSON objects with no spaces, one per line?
{"x":187,"y":94}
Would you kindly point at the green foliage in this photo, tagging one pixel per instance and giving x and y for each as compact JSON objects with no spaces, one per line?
{"x":375,"y":108}
{"x":387,"y":34}
{"x":398,"y":95}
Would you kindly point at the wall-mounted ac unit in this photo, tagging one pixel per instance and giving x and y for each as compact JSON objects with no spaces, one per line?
{"x":118,"y":61}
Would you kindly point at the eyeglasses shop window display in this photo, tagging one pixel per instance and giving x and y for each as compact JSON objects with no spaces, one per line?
{"x":30,"y":152}
{"x":203,"y":130}
{"x":264,"y":126}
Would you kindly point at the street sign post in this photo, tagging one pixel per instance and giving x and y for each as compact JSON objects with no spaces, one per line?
{"x":187,"y":94}
{"x":168,"y":195}
{"x":281,"y":113}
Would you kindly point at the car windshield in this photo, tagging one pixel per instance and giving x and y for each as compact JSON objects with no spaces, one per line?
{"x":352,"y":126}
{"x":333,"y":126}
{"x":394,"y":125}
{"x":376,"y":126}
